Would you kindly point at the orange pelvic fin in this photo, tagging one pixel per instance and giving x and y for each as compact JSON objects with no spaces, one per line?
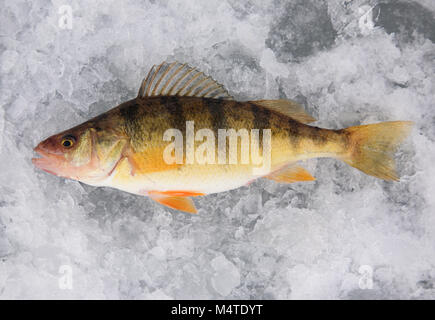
{"x":175,"y":202}
{"x":290,"y":175}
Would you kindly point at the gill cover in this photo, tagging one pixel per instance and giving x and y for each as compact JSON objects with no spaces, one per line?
{"x":109,"y":149}
{"x":81,"y":153}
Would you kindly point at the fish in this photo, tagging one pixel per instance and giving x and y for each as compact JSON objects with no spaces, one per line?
{"x":136,"y":146}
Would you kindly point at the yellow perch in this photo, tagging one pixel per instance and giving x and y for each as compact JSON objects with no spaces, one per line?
{"x":184,"y":136}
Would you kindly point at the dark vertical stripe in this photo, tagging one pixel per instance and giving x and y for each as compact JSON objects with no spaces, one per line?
{"x":216,"y":109}
{"x":294,"y":132}
{"x":130,"y":113}
{"x":293,"y":128}
{"x":317,"y":135}
{"x":262,"y":117}
{"x":175,"y":109}
{"x":262,"y":120}
{"x":219,"y":110}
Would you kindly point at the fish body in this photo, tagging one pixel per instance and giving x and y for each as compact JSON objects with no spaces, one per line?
{"x":142,"y":167}
{"x":222,"y":143}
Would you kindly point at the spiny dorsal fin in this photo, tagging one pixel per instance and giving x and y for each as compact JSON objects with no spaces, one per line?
{"x":288,"y":108}
{"x":291,"y":174}
{"x":176,"y":79}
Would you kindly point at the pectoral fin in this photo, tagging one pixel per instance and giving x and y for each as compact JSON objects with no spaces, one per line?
{"x":175,"y":202}
{"x":290,"y":175}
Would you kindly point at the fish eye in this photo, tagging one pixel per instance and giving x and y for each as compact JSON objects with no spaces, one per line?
{"x":68,"y":141}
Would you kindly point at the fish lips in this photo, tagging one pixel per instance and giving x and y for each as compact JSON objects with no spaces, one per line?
{"x":47,"y":162}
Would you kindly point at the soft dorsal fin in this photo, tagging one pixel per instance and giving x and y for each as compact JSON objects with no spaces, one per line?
{"x":290,"y":174}
{"x":288,"y":108}
{"x":176,"y":79}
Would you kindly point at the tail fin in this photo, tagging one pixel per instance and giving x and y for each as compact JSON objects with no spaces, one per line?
{"x":372,"y":147}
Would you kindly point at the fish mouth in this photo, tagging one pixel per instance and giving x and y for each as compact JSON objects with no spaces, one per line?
{"x":43,"y":162}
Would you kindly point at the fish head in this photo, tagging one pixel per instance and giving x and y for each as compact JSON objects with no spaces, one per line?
{"x":69,"y":154}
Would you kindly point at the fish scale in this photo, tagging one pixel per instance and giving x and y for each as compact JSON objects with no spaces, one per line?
{"x":124,"y":147}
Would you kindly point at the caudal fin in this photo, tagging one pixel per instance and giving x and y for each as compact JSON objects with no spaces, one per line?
{"x":372,"y":147}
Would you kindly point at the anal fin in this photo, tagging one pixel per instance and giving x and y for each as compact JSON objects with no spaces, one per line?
{"x":290,"y":174}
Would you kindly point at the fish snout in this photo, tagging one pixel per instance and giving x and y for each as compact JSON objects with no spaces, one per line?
{"x":39,"y":149}
{"x":49,"y":146}
{"x":48,"y":159}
